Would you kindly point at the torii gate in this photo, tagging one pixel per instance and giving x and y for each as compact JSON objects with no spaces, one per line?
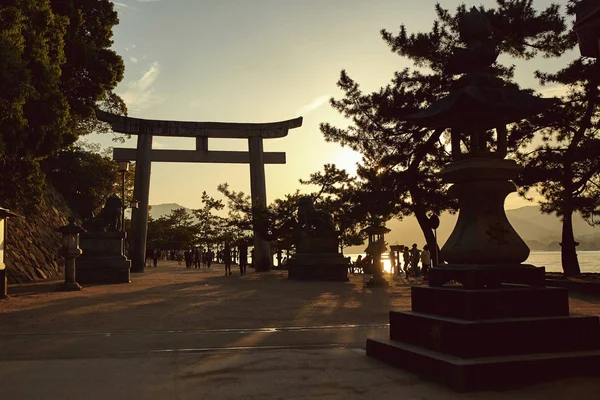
{"x":144,"y":155}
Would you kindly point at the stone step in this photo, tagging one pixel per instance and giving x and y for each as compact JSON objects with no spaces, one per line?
{"x":470,"y":339}
{"x":510,"y":301}
{"x":484,"y":373}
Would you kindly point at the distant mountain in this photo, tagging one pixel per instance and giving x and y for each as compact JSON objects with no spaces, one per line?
{"x":161,"y":210}
{"x":540,"y":231}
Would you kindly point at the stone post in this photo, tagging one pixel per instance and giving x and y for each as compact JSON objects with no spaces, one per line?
{"x":258,"y":191}
{"x":141,"y":193}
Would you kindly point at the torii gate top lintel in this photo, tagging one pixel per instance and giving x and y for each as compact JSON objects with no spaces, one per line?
{"x":227,"y":130}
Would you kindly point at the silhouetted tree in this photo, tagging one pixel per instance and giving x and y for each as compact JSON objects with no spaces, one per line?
{"x":56,"y":68}
{"x":564,"y":166}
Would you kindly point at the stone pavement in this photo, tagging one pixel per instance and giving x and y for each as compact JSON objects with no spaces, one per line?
{"x":177,"y":333}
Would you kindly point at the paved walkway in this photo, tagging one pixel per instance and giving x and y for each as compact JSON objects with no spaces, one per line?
{"x":177,"y":333}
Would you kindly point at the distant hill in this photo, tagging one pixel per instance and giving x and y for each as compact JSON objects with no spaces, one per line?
{"x":540,"y":231}
{"x":161,"y":210}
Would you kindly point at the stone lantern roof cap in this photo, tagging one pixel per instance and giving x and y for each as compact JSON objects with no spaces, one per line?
{"x":376,"y":229}
{"x":480,"y":100}
{"x":587,"y":27}
{"x":71,"y":227}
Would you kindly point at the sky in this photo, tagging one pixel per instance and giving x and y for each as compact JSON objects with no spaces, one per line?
{"x":261,"y":61}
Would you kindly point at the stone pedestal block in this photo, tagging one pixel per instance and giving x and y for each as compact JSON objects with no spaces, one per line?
{"x":102,"y":259}
{"x":478,"y":276}
{"x":317,"y":259}
{"x":513,"y":301}
{"x":490,"y":339}
{"x":321,"y":267}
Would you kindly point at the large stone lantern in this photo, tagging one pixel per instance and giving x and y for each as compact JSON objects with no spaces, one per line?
{"x":374,"y":251}
{"x":493,"y":330}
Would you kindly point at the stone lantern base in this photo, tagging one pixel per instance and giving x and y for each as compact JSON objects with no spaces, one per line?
{"x":490,"y":339}
{"x":102,"y":259}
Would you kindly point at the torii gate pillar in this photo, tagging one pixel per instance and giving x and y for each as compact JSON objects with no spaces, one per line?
{"x":261,"y":260}
{"x":141,"y":192}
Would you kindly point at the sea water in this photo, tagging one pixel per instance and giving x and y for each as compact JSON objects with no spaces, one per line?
{"x":588,"y":260}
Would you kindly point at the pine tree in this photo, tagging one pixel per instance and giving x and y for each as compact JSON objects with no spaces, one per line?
{"x":564,"y":168}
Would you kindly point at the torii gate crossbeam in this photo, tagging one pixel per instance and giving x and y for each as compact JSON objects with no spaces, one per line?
{"x":144,"y":156}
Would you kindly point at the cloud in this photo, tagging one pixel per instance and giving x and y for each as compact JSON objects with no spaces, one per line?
{"x":313,"y":105}
{"x":140,"y":93}
{"x":554,"y":91}
{"x":133,"y":60}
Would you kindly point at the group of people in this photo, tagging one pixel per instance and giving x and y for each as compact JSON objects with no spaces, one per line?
{"x":409,"y":264}
{"x":196,"y":257}
{"x":411,"y":258}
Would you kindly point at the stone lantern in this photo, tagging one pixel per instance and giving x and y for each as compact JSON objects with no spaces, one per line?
{"x":374,"y":250}
{"x":493,"y":330}
{"x":70,"y":250}
{"x":483,"y":249}
{"x":4,"y":214}
{"x":587,"y":27}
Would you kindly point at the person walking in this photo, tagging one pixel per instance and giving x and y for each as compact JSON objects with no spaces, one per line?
{"x":227,"y":259}
{"x":425,"y":261}
{"x":155,"y":255}
{"x":209,"y":258}
{"x":406,"y":260}
{"x":415,"y":255}
{"x":196,"y":258}
{"x":243,"y":254}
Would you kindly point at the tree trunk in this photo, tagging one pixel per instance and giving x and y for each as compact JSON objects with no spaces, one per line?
{"x":568,"y":247}
{"x":425,"y":226}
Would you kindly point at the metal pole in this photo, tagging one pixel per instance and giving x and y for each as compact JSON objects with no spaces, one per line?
{"x":123,"y":200}
{"x":437,"y":255}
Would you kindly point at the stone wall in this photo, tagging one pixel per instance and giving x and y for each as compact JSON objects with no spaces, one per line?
{"x":32,"y":243}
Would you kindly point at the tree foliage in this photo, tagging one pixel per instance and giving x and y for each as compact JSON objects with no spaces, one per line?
{"x":563,"y":166}
{"x":56,"y":67}
{"x":84,"y":178}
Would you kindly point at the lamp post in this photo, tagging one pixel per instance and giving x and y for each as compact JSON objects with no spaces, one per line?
{"x":70,"y":250}
{"x":123,"y":167}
